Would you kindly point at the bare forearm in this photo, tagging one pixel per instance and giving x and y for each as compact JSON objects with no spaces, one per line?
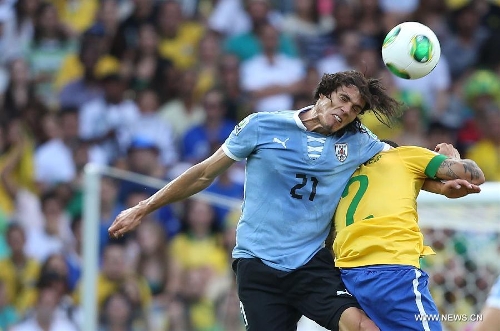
{"x":461,"y":169}
{"x":432,"y":185}
{"x":184,"y":186}
{"x":192,"y":181}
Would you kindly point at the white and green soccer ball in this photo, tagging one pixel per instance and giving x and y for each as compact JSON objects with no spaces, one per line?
{"x":411,"y":50}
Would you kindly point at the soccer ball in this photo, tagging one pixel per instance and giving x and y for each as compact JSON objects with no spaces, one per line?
{"x":411,"y":50}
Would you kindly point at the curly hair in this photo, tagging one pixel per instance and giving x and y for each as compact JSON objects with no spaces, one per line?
{"x":384,"y":107}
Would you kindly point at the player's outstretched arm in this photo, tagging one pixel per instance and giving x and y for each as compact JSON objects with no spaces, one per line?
{"x":460,"y":169}
{"x":192,"y":181}
{"x":457,"y":168}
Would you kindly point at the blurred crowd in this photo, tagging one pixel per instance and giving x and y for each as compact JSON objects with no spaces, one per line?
{"x":153,"y":87}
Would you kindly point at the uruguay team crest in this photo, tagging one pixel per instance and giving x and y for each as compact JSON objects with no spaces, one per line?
{"x":341,"y":151}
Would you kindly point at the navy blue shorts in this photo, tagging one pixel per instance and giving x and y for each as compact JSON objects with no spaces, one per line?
{"x":274,"y":300}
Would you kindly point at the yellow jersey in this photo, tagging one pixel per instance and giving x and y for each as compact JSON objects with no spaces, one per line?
{"x":376,"y":218}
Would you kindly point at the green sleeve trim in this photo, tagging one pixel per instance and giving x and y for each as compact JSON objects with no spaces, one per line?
{"x":433,"y":166}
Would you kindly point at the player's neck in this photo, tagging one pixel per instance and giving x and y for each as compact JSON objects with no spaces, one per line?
{"x":311,"y":121}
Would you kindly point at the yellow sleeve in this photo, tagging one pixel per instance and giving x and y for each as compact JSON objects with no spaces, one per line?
{"x":421,"y":161}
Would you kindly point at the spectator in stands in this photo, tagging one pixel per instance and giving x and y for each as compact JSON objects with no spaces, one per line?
{"x":179,"y":37}
{"x":82,"y":151}
{"x":434,"y":88}
{"x":54,"y":274}
{"x":235,"y":99}
{"x":311,"y":29}
{"x":229,"y":18}
{"x":208,"y":61}
{"x":201,"y":311}
{"x":19,"y":272}
{"x":87,"y":87}
{"x":198,"y":246}
{"x":45,"y":315}
{"x":142,"y":158}
{"x":434,"y":15}
{"x":16,"y":165}
{"x":104,"y":121}
{"x":144,"y":12}
{"x":8,"y":314}
{"x":247,"y":44}
{"x":369,"y":13}
{"x":107,"y":17}
{"x":25,"y":11}
{"x":20,"y":90}
{"x":345,"y":17}
{"x":152,"y":261}
{"x":228,"y":314}
{"x":467,"y":40}
{"x":486,"y":152}
{"x":185,"y":110}
{"x":113,"y":276}
{"x":151,"y":131}
{"x":271,"y":77}
{"x":72,"y":67}
{"x":55,"y":234}
{"x":51,"y":43}
{"x":78,"y":15}
{"x":413,"y":121}
{"x":110,"y":207}
{"x":440,"y":132}
{"x":481,"y":94}
{"x":346,"y":56}
{"x":53,"y":159}
{"x":142,"y":65}
{"x":202,"y":140}
{"x":73,"y":255}
{"x":117,"y":314}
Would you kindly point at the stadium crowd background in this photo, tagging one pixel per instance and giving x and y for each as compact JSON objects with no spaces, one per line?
{"x":155,"y":86}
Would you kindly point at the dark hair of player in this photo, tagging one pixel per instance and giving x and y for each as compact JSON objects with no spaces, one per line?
{"x":384,"y":107}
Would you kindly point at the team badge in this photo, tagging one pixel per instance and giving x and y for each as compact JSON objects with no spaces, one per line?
{"x":341,"y":151}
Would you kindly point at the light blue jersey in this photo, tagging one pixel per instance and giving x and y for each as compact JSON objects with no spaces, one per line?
{"x":294,"y":180}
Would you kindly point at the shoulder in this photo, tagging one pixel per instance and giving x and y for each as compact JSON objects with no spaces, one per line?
{"x":414,"y":150}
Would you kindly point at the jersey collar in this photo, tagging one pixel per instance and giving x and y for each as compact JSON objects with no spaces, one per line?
{"x":297,"y":119}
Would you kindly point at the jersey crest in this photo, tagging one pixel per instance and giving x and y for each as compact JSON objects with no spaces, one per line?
{"x":242,"y":124}
{"x":341,"y":151}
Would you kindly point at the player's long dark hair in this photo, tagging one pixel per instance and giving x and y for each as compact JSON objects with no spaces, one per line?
{"x":384,"y":107}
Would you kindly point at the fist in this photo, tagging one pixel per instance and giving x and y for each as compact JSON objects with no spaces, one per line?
{"x":448,"y":150}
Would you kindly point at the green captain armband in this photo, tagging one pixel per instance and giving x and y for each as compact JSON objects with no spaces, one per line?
{"x":433,"y":166}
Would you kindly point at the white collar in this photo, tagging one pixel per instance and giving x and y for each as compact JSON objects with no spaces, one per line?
{"x":297,"y":118}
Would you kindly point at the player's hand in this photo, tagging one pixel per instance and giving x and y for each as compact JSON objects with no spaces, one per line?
{"x":457,"y":188}
{"x":448,"y":150}
{"x":126,"y":221}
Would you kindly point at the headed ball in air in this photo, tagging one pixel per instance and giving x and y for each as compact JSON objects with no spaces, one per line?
{"x":411,"y":50}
